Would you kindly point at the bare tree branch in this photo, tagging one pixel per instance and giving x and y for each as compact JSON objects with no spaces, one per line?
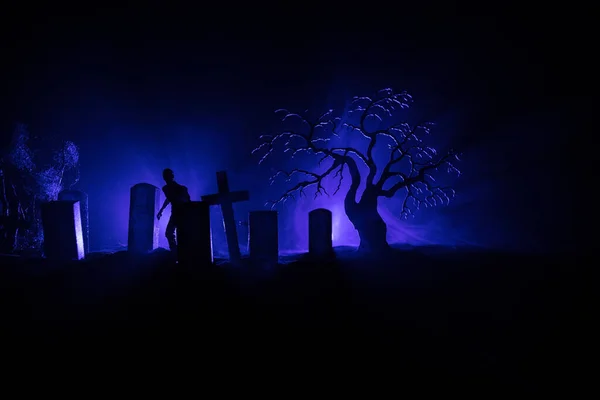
{"x":377,"y":108}
{"x":300,"y":187}
{"x":418,"y":172}
{"x":407,"y":145}
{"x":296,"y":142}
{"x":369,"y":117}
{"x":307,"y":142}
{"x":420,"y":186}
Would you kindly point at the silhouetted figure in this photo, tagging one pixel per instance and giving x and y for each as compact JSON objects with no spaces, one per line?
{"x":176,"y":195}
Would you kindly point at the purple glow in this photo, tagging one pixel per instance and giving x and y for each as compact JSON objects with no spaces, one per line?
{"x":194,"y":167}
{"x":295,"y":221}
{"x":195,"y":161}
{"x":344,"y":234}
{"x":293,"y":216}
{"x":373,"y":142}
{"x":153,"y":176}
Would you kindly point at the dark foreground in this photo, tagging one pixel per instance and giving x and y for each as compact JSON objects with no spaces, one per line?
{"x":468,"y":318}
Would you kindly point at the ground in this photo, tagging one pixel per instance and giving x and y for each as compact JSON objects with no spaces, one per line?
{"x":458,"y":313}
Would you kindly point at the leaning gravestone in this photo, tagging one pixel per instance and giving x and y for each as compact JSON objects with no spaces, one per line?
{"x":82,"y":197}
{"x":194,"y":238}
{"x":63,"y":239}
{"x":225,"y":198}
{"x":263,"y":237}
{"x":320,"y":230}
{"x":143,"y":225}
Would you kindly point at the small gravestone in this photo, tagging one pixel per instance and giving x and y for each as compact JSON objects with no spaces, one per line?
{"x":82,"y":197}
{"x":264,"y":237}
{"x":194,"y":239}
{"x":143,"y":225}
{"x":320,"y":230}
{"x":63,"y":239}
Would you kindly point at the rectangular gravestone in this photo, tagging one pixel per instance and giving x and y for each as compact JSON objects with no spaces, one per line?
{"x":194,"y":237}
{"x":82,"y":197}
{"x":320,"y":232}
{"x":63,"y":239}
{"x":143,"y":225}
{"x":263,"y":235}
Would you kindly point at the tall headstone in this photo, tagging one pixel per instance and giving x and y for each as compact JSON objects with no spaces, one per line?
{"x":82,"y":197}
{"x":194,"y":238}
{"x":264,"y":237}
{"x":320,"y":232}
{"x":63,"y":239}
{"x":143,"y":225}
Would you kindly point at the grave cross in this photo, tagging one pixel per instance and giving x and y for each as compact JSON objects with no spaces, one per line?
{"x":225,"y":199}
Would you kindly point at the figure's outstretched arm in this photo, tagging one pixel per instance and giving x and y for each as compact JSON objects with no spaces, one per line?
{"x":165,"y":204}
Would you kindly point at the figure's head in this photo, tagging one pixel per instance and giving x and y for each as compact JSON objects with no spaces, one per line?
{"x":168,"y":175}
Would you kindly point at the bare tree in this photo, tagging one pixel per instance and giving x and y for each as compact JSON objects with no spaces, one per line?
{"x":410,"y":168}
{"x":26,"y":182}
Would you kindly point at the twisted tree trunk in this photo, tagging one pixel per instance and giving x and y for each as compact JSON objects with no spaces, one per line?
{"x":371,"y":228}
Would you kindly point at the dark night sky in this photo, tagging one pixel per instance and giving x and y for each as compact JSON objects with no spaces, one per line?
{"x":160,"y":86}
